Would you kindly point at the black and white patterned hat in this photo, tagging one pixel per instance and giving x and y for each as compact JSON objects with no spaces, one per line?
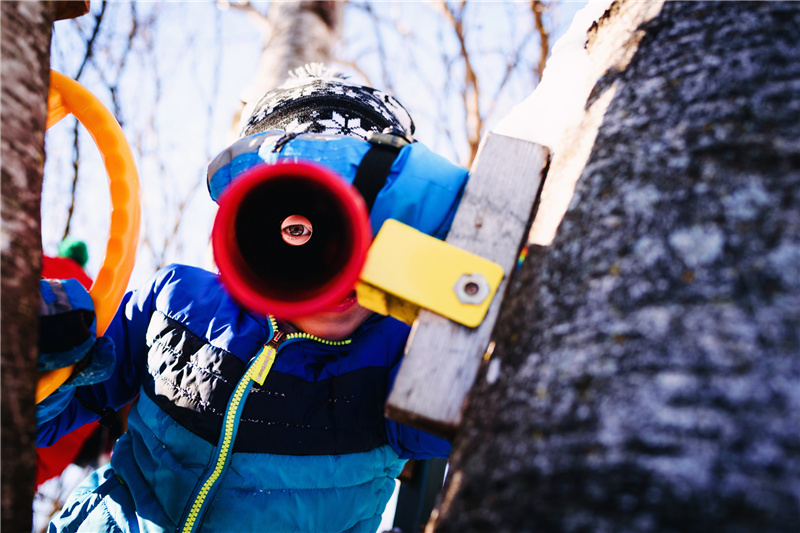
{"x":319,"y":100}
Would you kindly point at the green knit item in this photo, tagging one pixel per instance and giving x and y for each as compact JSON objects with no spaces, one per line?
{"x":75,"y":250}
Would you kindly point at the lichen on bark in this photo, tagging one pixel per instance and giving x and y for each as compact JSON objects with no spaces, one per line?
{"x":649,"y":367}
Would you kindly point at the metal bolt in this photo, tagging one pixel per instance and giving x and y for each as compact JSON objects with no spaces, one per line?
{"x":472,"y":289}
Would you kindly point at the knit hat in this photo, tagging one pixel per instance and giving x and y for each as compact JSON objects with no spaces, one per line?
{"x":316,"y":99}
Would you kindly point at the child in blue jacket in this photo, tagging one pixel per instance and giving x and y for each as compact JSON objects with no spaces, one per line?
{"x":213,"y":442}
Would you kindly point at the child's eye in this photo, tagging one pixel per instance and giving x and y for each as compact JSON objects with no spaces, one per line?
{"x":296,"y":230}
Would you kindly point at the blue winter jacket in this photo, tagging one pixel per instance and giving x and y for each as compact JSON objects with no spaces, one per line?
{"x":217,"y":439}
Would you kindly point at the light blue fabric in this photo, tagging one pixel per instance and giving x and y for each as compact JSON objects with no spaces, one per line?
{"x":422,"y":190}
{"x":102,"y":503}
{"x":260,"y":492}
{"x":54,"y":404}
{"x":306,"y":493}
{"x":160,"y":461}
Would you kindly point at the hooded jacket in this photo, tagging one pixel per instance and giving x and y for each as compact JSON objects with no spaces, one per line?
{"x":237,"y":427}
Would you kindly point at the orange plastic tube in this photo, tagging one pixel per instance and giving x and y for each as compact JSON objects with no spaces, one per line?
{"x":68,"y":96}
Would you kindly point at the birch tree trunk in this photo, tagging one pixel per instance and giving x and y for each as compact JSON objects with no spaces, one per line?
{"x":646,"y":374}
{"x":297,"y":33}
{"x":25,"y":80}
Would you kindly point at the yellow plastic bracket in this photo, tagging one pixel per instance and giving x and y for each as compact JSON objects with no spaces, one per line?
{"x":407,"y":270}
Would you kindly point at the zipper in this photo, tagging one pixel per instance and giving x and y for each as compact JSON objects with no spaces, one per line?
{"x":307,"y":336}
{"x":256,"y":372}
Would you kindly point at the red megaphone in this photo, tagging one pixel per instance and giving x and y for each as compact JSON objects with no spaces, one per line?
{"x":262,"y":267}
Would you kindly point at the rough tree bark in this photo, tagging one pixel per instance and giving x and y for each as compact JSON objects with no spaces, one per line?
{"x":646,"y":375}
{"x":25,"y":80}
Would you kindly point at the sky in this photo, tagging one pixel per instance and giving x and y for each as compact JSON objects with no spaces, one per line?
{"x":180,"y":86}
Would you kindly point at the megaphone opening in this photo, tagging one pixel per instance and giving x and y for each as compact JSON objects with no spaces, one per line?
{"x":266,"y":273}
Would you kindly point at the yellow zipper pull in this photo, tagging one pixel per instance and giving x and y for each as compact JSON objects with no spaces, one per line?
{"x":266,"y":357}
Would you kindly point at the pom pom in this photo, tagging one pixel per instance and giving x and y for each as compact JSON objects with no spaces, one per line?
{"x":74,"y":249}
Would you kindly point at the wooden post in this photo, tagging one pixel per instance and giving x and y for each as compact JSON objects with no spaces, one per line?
{"x":442,"y":358}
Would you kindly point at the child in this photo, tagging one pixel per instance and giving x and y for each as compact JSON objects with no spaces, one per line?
{"x":208,"y":447}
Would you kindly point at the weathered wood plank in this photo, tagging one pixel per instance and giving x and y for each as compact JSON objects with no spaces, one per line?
{"x":442,"y":357}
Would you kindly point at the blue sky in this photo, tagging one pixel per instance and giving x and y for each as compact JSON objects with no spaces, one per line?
{"x":202,"y":60}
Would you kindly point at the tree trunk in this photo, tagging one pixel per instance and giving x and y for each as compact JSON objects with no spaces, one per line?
{"x":298,"y":33}
{"x":646,"y":375}
{"x":25,"y":80}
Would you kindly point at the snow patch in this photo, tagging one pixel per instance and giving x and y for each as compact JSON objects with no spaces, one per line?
{"x":559,"y":98}
{"x":493,"y":372}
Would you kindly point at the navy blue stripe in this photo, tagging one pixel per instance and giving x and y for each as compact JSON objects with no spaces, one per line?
{"x":186,"y":377}
{"x":342,"y":414}
{"x":193,"y":381}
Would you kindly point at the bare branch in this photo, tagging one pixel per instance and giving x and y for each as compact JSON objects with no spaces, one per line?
{"x":383,"y":60}
{"x":299,"y":33}
{"x":171,"y":238}
{"x":512,"y":66}
{"x":98,"y":19}
{"x":538,"y":7}
{"x":355,"y":67}
{"x":76,"y":143}
{"x":471,"y":92}
{"x":75,"y":164}
{"x":260,"y":19}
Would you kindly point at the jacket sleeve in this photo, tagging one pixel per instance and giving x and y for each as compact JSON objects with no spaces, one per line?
{"x":71,"y":407}
{"x":412,"y":443}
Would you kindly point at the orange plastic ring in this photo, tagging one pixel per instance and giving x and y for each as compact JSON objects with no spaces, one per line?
{"x":68,"y":96}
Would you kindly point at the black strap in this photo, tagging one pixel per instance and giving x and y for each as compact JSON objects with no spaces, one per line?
{"x":283,"y":140}
{"x":108,"y":416}
{"x":377,"y":163}
{"x":373,"y":171}
{"x":64,"y":331}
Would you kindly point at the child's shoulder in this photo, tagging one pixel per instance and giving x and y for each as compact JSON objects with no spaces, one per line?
{"x":177,"y":284}
{"x":180,"y":271}
{"x":196,"y":298}
{"x":176,"y":275}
